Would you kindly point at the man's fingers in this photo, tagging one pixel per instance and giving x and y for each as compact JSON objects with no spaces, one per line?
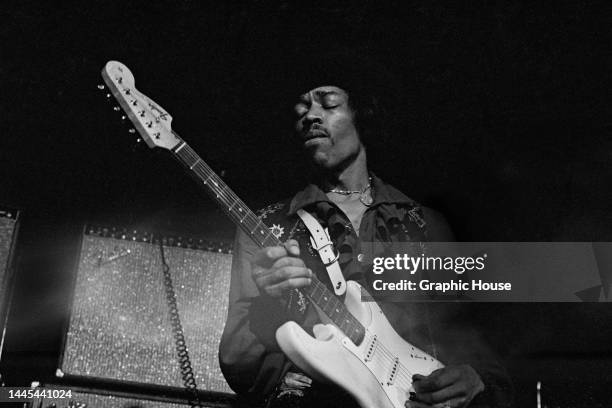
{"x":267,"y":256}
{"x":445,"y":394}
{"x":270,"y":277}
{"x":278,"y":268}
{"x":453,"y":386}
{"x":279,"y":288}
{"x":287,"y":261}
{"x":292,"y":247}
{"x":437,"y":380}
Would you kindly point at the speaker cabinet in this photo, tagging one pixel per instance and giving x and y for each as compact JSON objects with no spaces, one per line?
{"x":120,"y":329}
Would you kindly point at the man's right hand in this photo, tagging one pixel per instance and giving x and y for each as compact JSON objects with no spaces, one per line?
{"x":278,"y":269}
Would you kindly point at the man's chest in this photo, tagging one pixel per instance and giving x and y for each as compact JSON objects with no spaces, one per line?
{"x":353,"y":211}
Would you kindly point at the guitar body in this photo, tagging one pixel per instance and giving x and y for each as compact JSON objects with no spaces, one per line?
{"x":377,"y":373}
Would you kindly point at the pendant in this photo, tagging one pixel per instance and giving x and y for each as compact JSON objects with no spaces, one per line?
{"x":366,"y":199}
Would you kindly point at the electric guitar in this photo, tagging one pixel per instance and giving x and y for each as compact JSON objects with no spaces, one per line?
{"x":355,"y":347}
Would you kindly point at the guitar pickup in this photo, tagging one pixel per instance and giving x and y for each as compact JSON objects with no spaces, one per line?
{"x":394,"y":370}
{"x":371,"y":349}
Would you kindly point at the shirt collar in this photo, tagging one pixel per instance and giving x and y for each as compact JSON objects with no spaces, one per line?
{"x":382,"y":194}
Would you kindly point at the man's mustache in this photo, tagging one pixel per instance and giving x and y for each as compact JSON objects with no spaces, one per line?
{"x":314,"y":128}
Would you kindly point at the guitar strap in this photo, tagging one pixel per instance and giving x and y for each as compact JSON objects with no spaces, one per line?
{"x":319,"y":238}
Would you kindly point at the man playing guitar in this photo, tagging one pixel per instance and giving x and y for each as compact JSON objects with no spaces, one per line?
{"x":334,"y":122}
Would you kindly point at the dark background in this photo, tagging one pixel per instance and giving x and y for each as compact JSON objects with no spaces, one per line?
{"x":504,"y":124}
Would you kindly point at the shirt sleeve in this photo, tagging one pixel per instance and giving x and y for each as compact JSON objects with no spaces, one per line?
{"x":249,"y":356}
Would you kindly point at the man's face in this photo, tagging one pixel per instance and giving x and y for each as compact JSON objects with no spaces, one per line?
{"x":325,"y":125}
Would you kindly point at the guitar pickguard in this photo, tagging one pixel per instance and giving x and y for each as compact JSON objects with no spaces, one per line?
{"x":377,"y":372}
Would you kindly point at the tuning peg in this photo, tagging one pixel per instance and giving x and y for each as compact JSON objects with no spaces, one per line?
{"x":132,"y":130}
{"x":123,"y":117}
{"x":101,"y":87}
{"x":138,"y":140}
{"x":116,"y":108}
{"x":108,"y":95}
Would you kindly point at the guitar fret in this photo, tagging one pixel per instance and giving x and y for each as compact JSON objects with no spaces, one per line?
{"x":345,"y":321}
{"x":328,"y":307}
{"x":243,"y":218}
{"x":262,"y":231}
{"x":218,"y":191}
{"x":323,"y":297}
{"x":270,"y":240}
{"x":353,"y":330}
{"x":194,"y":164}
{"x":337,"y":306}
{"x":317,"y":289}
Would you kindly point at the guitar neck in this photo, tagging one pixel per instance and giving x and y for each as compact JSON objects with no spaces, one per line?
{"x":255,"y":228}
{"x":227,"y":200}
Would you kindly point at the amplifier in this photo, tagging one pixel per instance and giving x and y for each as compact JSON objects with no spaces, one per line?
{"x":9,"y":220}
{"x":120,"y":327}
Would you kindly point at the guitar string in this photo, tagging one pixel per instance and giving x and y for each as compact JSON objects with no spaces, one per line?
{"x":226,"y":194}
{"x":403,"y":376}
{"x":392,"y":358}
{"x":403,"y":371}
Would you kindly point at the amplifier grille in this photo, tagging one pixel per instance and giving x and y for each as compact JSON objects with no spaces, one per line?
{"x":120,"y":328}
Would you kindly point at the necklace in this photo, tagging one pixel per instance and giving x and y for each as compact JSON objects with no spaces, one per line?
{"x":366,"y":199}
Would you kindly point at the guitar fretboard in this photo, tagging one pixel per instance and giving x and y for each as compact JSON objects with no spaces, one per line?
{"x":255,"y":228}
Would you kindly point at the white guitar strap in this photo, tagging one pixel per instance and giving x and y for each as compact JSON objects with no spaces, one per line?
{"x":319,"y":237}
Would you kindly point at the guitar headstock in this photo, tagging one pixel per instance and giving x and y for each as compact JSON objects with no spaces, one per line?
{"x":152,"y":122}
